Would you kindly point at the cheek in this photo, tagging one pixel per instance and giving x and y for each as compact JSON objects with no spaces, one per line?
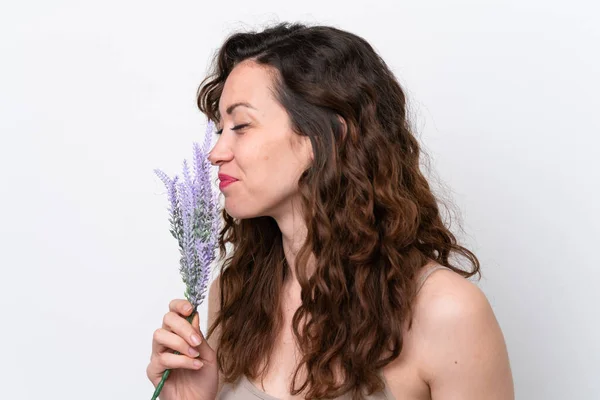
{"x":258,"y":168}
{"x":270,"y":168}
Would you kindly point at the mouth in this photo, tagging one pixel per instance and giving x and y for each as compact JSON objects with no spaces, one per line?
{"x":225,"y":180}
{"x":224,"y":184}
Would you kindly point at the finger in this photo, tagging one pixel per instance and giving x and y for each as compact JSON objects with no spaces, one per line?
{"x":206,"y":352}
{"x":181,"y":306}
{"x":165,"y":361}
{"x":179,"y":325}
{"x":172,"y":361}
{"x":165,"y":341}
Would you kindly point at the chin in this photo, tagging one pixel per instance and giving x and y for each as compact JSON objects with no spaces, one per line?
{"x":245,"y":214}
{"x":235,"y":214}
{"x":238,"y":213}
{"x":248,"y":209}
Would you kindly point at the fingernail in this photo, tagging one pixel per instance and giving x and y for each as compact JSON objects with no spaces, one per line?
{"x":197,"y":364}
{"x":195,"y":340}
{"x":193,"y":352}
{"x":188,"y":308}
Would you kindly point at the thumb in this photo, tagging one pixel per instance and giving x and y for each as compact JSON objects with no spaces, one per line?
{"x":206,"y":352}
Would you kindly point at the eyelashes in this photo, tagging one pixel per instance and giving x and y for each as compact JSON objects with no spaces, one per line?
{"x":235,"y":128}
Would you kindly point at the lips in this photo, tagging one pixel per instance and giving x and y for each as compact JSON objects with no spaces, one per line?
{"x":225,"y":180}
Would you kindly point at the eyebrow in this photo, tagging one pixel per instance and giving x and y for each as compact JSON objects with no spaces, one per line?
{"x":240,"y":103}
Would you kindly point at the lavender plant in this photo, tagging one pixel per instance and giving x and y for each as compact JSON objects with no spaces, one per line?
{"x":194,"y":218}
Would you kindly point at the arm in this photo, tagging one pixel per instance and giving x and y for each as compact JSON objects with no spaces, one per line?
{"x":464,"y":354}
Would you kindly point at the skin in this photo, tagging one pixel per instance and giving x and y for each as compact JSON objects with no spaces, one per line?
{"x":266,"y":156}
{"x":455,"y":349}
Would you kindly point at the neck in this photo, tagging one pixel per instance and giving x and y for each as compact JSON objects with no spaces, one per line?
{"x":293,"y":234}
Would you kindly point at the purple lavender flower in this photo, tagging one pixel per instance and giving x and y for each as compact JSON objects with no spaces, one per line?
{"x":194,"y":218}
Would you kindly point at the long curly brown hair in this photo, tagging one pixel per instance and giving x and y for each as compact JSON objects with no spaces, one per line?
{"x":372,"y":218}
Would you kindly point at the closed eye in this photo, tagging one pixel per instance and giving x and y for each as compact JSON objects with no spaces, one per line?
{"x":239,"y":127}
{"x":235,"y":128}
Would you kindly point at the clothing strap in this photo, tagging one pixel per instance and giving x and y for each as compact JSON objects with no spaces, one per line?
{"x":426,"y":274}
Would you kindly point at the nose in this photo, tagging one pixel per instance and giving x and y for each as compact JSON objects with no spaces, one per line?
{"x":220,"y":153}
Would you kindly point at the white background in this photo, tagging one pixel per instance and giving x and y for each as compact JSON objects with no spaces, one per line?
{"x":95,"y":95}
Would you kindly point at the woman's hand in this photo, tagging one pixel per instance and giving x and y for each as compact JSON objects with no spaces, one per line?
{"x":188,"y":380}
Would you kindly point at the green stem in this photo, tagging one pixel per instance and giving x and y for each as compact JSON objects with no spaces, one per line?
{"x":168,"y":371}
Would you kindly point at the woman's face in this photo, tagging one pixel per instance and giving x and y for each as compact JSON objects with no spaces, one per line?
{"x":262,"y":153}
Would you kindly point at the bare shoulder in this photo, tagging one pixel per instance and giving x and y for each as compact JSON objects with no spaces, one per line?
{"x":447,"y":295}
{"x":462,"y":352}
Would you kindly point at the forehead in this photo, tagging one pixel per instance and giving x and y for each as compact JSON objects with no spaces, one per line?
{"x":247,"y":82}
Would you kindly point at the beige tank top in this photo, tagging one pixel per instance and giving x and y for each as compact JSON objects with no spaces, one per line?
{"x":243,"y":389}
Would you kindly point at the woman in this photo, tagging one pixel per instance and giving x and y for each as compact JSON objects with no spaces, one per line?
{"x":340,"y":281}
